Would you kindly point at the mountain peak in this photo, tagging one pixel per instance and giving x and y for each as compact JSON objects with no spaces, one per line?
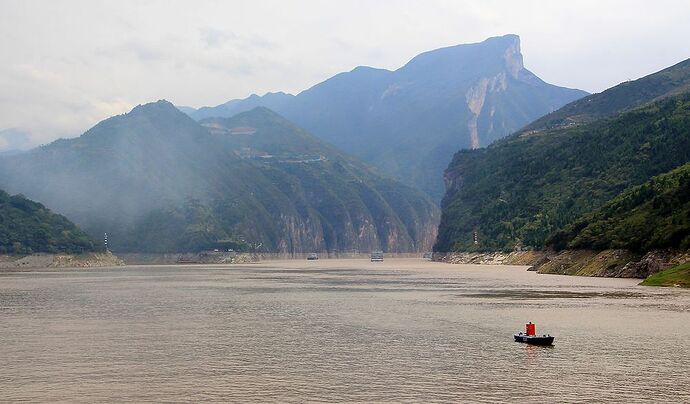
{"x":156,"y":106}
{"x":491,"y":55}
{"x":509,"y":45}
{"x":256,"y":117}
{"x":154,"y":119}
{"x":260,"y":111}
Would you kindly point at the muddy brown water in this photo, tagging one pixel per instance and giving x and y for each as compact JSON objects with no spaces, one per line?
{"x":405,"y":330}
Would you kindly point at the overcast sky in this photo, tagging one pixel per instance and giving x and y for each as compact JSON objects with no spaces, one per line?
{"x":68,"y":64}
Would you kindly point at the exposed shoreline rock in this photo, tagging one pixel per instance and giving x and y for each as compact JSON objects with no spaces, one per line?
{"x":41,"y":260}
{"x":205,"y":257}
{"x":491,"y":258}
{"x":606,"y":263}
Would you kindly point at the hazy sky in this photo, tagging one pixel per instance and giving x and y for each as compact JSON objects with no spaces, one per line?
{"x":68,"y":64}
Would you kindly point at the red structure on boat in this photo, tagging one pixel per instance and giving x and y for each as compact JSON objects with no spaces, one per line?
{"x":530,"y":329}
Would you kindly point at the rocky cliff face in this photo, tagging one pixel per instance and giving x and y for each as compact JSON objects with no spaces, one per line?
{"x":298,"y":234}
{"x":513,"y":57}
{"x":491,"y":87}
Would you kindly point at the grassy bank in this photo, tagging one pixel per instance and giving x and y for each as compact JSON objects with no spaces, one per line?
{"x":676,"y":276}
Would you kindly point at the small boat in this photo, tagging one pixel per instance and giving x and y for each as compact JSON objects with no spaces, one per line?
{"x":534,"y":339}
{"x":530,"y":336}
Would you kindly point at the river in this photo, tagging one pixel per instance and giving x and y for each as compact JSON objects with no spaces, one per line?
{"x":404,"y":330}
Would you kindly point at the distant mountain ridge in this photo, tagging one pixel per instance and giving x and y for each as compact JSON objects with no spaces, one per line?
{"x":623,"y":97}
{"x":157,"y":181}
{"x":573,"y":178}
{"x":410,"y":121}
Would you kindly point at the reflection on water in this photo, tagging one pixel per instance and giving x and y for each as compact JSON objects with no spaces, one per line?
{"x":335,"y":331}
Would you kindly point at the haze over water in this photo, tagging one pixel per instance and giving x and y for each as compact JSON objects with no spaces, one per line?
{"x":338,"y":330}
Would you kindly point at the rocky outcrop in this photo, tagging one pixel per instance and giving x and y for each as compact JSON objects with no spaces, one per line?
{"x":491,"y":258}
{"x":654,"y":262}
{"x":607,"y":263}
{"x":476,"y":96}
{"x":513,"y":57}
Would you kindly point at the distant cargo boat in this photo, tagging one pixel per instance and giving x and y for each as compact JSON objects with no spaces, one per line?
{"x":377,"y":256}
{"x":312,"y":257}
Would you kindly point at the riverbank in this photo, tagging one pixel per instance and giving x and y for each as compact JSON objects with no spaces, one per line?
{"x":33,"y":261}
{"x":43,"y":260}
{"x":607,"y":263}
{"x":229,"y":257}
{"x":677,"y":277}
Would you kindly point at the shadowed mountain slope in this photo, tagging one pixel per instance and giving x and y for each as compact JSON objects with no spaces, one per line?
{"x":156,"y":180}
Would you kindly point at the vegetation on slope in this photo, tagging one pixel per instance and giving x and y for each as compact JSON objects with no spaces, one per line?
{"x":650,"y":216}
{"x":676,"y":276}
{"x":27,"y":227}
{"x":525,"y":189}
{"x":191,"y":226}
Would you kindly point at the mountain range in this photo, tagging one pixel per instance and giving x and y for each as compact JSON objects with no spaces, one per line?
{"x":157,"y":181}
{"x":409,"y":122}
{"x":607,"y":170}
{"x":601,"y":172}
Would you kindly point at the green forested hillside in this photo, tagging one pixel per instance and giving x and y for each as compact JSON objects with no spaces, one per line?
{"x":28,"y":227}
{"x":524,"y":190}
{"x":653,"y":215}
